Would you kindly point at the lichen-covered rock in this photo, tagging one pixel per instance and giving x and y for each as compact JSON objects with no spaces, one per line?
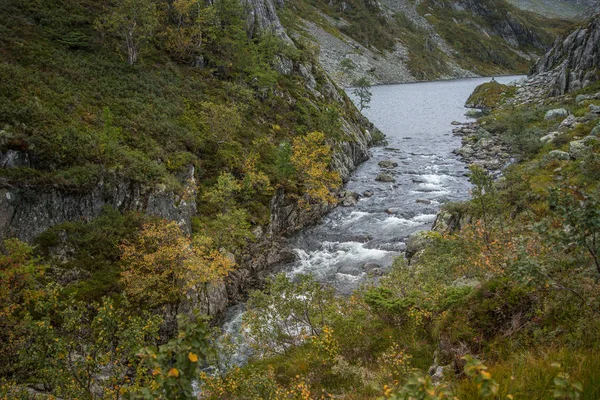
{"x":416,"y":243}
{"x":558,"y":155}
{"x":580,"y":148}
{"x":549,"y":138}
{"x":556,"y":114}
{"x":348,"y":198}
{"x":385,"y":178}
{"x":387,"y":164}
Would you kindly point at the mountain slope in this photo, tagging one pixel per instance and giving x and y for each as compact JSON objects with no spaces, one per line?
{"x":402,"y":40}
{"x":555,"y":8}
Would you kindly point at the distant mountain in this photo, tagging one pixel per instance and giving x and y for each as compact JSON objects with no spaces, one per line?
{"x":556,"y":8}
{"x":405,"y":40}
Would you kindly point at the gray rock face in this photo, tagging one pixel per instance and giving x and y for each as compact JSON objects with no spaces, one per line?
{"x":262,"y":16}
{"x":27,"y":212}
{"x":572,"y":63}
{"x":556,"y":114}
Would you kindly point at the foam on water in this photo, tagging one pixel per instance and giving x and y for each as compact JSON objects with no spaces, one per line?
{"x":416,"y":121}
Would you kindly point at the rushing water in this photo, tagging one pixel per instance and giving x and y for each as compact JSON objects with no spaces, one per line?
{"x":351,"y":241}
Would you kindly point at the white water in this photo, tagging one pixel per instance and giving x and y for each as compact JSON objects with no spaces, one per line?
{"x":416,"y":119}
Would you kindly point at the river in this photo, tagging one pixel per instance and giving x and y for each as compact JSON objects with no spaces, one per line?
{"x":351,"y":243}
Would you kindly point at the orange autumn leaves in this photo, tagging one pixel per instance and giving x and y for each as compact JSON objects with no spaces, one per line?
{"x":162,"y":264}
{"x":311,"y":157}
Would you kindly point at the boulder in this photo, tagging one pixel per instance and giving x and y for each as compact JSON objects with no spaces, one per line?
{"x":582,"y":97}
{"x":549,"y":138}
{"x":559,"y":155}
{"x":387,"y":164}
{"x":349,"y":270}
{"x":556,"y":114}
{"x":348,"y":198}
{"x":385,"y":178}
{"x":568,"y":122}
{"x":473,"y":113}
{"x":594,"y":109}
{"x":423,"y":201}
{"x":416,"y":242}
{"x":595,"y":131}
{"x":578,"y":149}
{"x":368,"y":193}
{"x":372,"y":267}
{"x":455,"y":123}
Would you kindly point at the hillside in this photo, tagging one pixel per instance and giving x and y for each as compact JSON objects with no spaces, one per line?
{"x":500,"y":300}
{"x":403,"y":41}
{"x":156,"y":154}
{"x":556,"y":8}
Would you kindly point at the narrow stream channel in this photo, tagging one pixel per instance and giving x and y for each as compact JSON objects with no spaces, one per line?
{"x":351,"y":242}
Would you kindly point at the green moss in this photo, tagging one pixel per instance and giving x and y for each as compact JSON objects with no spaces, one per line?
{"x":490,"y":95}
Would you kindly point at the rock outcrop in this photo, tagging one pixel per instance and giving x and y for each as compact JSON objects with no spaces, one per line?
{"x":572,"y":63}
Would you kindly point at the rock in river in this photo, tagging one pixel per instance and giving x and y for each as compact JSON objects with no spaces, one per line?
{"x":385,"y":178}
{"x":387,"y":164}
{"x":348,"y":198}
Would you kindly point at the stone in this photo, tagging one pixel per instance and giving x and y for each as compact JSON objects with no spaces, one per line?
{"x":455,"y":123}
{"x":595,"y":131}
{"x":392,"y":211}
{"x":416,"y":242}
{"x":368,"y":193}
{"x":387,"y":164}
{"x":348,"y":198}
{"x":423,"y":201}
{"x":438,"y":376}
{"x":582,"y":97}
{"x":368,"y":267}
{"x":549,"y":138}
{"x":473,"y":113}
{"x":568,"y":122}
{"x":385,"y":178}
{"x":594,"y":108}
{"x":559,"y":155}
{"x":577,"y":149}
{"x":349,"y":270}
{"x":556,"y":114}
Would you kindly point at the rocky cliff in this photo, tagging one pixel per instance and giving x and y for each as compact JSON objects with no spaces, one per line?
{"x":572,"y":63}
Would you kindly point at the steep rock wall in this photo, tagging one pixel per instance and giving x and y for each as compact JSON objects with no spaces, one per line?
{"x":571,"y":63}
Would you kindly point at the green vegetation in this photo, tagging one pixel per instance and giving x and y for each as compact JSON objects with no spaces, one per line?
{"x":507,"y":305}
{"x":362,"y":90}
{"x":475,"y":33}
{"x":149,"y":96}
{"x":490,"y":95}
